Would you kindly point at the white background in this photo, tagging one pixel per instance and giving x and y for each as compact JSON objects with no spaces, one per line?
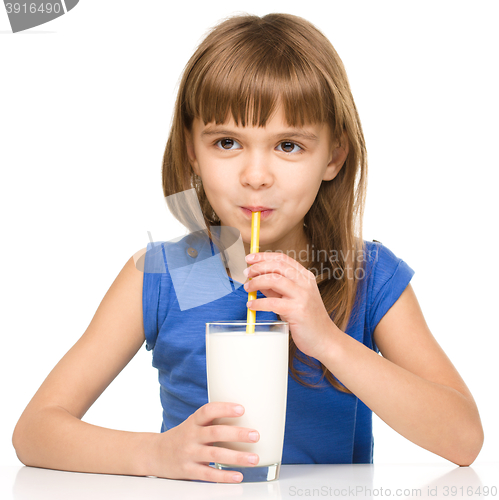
{"x":85,"y":110}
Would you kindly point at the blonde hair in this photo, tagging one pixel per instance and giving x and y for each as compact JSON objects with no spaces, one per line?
{"x":246,"y":66}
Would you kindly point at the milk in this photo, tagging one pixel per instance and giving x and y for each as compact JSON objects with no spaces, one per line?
{"x":251,"y":370}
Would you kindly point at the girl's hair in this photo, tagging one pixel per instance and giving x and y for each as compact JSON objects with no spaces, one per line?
{"x":246,"y":66}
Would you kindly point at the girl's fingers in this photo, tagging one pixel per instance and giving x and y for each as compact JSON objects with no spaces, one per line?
{"x":271,"y":293}
{"x":209,"y":434}
{"x":274,"y":258}
{"x":210,"y":411}
{"x":253,"y":258}
{"x":292,"y":271}
{"x":222,"y":455}
{"x":273,"y":304}
{"x":207,"y":473}
{"x":272,"y":286}
{"x":228,"y":433}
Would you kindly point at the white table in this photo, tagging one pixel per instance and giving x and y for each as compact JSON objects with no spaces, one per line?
{"x":408,"y":481}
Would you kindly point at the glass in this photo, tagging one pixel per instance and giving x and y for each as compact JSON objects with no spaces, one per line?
{"x":251,"y":370}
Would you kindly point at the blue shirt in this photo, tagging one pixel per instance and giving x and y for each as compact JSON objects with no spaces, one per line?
{"x":323,"y":425}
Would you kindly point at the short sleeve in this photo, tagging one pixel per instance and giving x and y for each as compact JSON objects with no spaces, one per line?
{"x":155,"y":270}
{"x":390,"y":277}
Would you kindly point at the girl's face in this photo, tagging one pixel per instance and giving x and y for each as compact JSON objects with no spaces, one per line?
{"x":276,"y":169}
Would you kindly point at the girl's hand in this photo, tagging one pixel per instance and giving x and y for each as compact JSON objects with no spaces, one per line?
{"x":185,"y":451}
{"x":291,"y":291}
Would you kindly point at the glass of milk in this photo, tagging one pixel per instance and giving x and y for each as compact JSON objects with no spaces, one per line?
{"x":251,"y":369}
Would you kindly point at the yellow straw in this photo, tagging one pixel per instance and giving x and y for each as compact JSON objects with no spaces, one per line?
{"x":254,"y":248}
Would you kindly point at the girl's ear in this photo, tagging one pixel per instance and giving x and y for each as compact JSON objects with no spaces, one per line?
{"x":338,"y":157}
{"x":191,"y":152}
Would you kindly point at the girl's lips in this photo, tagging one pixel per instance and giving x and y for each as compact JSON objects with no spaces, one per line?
{"x":264,"y":214}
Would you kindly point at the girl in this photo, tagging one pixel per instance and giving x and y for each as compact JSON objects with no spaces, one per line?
{"x":264,"y":121}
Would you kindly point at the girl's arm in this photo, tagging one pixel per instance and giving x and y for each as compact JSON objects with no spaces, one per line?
{"x":51,"y":434}
{"x":414,"y":387}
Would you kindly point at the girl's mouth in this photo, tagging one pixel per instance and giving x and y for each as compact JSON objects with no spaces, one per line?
{"x":265,"y":213}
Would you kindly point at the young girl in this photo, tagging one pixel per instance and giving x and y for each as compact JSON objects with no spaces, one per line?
{"x":264,"y":121}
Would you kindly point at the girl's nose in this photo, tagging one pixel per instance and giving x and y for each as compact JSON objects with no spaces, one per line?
{"x":256,"y":172}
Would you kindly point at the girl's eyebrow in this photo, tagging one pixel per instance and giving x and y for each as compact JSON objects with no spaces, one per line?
{"x":292,"y":134}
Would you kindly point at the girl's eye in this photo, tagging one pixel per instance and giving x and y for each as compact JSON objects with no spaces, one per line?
{"x":289,"y":147}
{"x":228,"y":144}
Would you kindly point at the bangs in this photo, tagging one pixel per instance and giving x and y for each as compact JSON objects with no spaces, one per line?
{"x":251,"y":81}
